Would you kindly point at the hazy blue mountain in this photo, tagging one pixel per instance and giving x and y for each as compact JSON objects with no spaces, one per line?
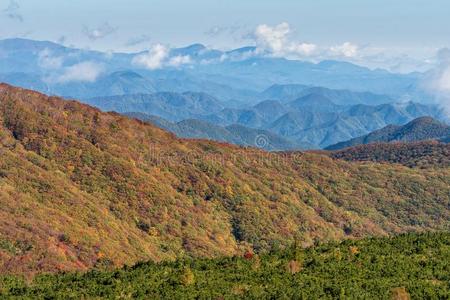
{"x":290,"y":92}
{"x":261,"y":72}
{"x":264,"y":139}
{"x":247,"y":117}
{"x":423,"y":128}
{"x":323,"y":128}
{"x":235,"y":134}
{"x":117,"y":83}
{"x":171,"y":106}
{"x":314,"y":102}
{"x":270,"y":110}
{"x":313,"y":120}
{"x":346,"y":97}
{"x":284,"y":92}
{"x":25,"y":80}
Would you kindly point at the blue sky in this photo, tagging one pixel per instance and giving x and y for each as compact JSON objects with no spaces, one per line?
{"x":416,"y":28}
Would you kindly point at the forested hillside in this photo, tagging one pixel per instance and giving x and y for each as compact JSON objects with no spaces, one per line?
{"x":80,"y":188}
{"x":409,"y":266}
{"x":418,"y":154}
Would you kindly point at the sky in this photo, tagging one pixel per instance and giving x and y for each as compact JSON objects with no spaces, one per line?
{"x":402,"y":34}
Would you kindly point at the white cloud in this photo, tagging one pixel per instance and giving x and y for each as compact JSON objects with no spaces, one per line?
{"x":152,"y":59}
{"x":46,"y":60}
{"x":275,"y":41}
{"x":272,"y":38}
{"x":100,"y":32}
{"x":439,"y":81}
{"x":87,"y":71}
{"x":158,"y":57}
{"x":12,"y":11}
{"x":303,"y":49}
{"x":179,"y":60}
{"x":347,"y":49}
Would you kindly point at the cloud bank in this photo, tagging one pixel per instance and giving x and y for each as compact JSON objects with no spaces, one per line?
{"x":152,"y":59}
{"x":179,"y":60}
{"x":87,"y":71}
{"x":439,"y":82}
{"x":275,"y":41}
{"x":158,"y":57}
{"x":347,"y":49}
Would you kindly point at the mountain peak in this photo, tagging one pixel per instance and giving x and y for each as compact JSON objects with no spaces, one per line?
{"x":422,"y":128}
{"x":191,"y":49}
{"x":425,"y":120}
{"x":195,"y":47}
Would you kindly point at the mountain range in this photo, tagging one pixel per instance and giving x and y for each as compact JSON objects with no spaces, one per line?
{"x":237,"y":75}
{"x":309,"y":121}
{"x":81,"y":188}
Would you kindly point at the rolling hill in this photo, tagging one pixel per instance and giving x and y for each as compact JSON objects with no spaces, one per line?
{"x":424,"y":128}
{"x":80,"y":188}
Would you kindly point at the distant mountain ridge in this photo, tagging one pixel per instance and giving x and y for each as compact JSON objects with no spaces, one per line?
{"x":424,"y":128}
{"x":168,"y":105}
{"x":234,"y":134}
{"x":206,"y":69}
{"x":290,"y":92}
{"x":321,"y":123}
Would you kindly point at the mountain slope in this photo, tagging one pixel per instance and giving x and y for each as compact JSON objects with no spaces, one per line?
{"x":82,"y":188}
{"x":414,"y":154}
{"x":423,"y":128}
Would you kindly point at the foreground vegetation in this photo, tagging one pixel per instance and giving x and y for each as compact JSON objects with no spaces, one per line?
{"x":409,"y":265}
{"x":80,"y":188}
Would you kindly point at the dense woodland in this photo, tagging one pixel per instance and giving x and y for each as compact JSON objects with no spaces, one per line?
{"x":409,"y":266}
{"x":80,"y":189}
{"x":417,"y":155}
